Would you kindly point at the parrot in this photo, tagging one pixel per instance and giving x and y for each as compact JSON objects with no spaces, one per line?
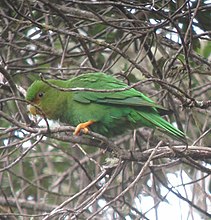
{"x":109,"y":113}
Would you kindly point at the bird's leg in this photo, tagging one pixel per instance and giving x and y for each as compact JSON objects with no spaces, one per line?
{"x":83,"y":126}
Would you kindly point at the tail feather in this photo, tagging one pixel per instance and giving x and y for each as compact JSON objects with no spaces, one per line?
{"x":160,"y":123}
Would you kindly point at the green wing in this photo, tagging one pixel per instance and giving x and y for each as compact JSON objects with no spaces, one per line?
{"x":129,"y":107}
{"x":101,"y":81}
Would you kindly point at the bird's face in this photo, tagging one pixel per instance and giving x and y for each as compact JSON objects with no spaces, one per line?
{"x":34,"y":108}
{"x":36,"y":94}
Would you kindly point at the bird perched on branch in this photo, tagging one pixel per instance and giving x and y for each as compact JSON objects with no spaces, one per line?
{"x":97,"y":105}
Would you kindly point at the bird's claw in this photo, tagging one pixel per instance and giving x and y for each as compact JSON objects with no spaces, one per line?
{"x":83,"y":127}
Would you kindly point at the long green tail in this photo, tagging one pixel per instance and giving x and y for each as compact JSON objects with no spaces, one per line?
{"x":160,"y":123}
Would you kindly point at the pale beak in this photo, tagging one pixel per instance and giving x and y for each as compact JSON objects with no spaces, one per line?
{"x":32,"y":109}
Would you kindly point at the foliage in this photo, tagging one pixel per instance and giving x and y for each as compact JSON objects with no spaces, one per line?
{"x":160,"y":47}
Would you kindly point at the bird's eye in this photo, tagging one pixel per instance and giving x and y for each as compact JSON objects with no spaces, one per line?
{"x":40,"y":94}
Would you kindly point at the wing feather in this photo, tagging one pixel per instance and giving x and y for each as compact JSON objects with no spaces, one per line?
{"x":101,"y":81}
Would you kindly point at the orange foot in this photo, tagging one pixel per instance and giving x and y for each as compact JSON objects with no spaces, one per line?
{"x":83,"y":126}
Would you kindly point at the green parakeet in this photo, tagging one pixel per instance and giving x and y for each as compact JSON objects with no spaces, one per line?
{"x":107,"y":113}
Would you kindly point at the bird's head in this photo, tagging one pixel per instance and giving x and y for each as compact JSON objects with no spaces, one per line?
{"x":36,"y":94}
